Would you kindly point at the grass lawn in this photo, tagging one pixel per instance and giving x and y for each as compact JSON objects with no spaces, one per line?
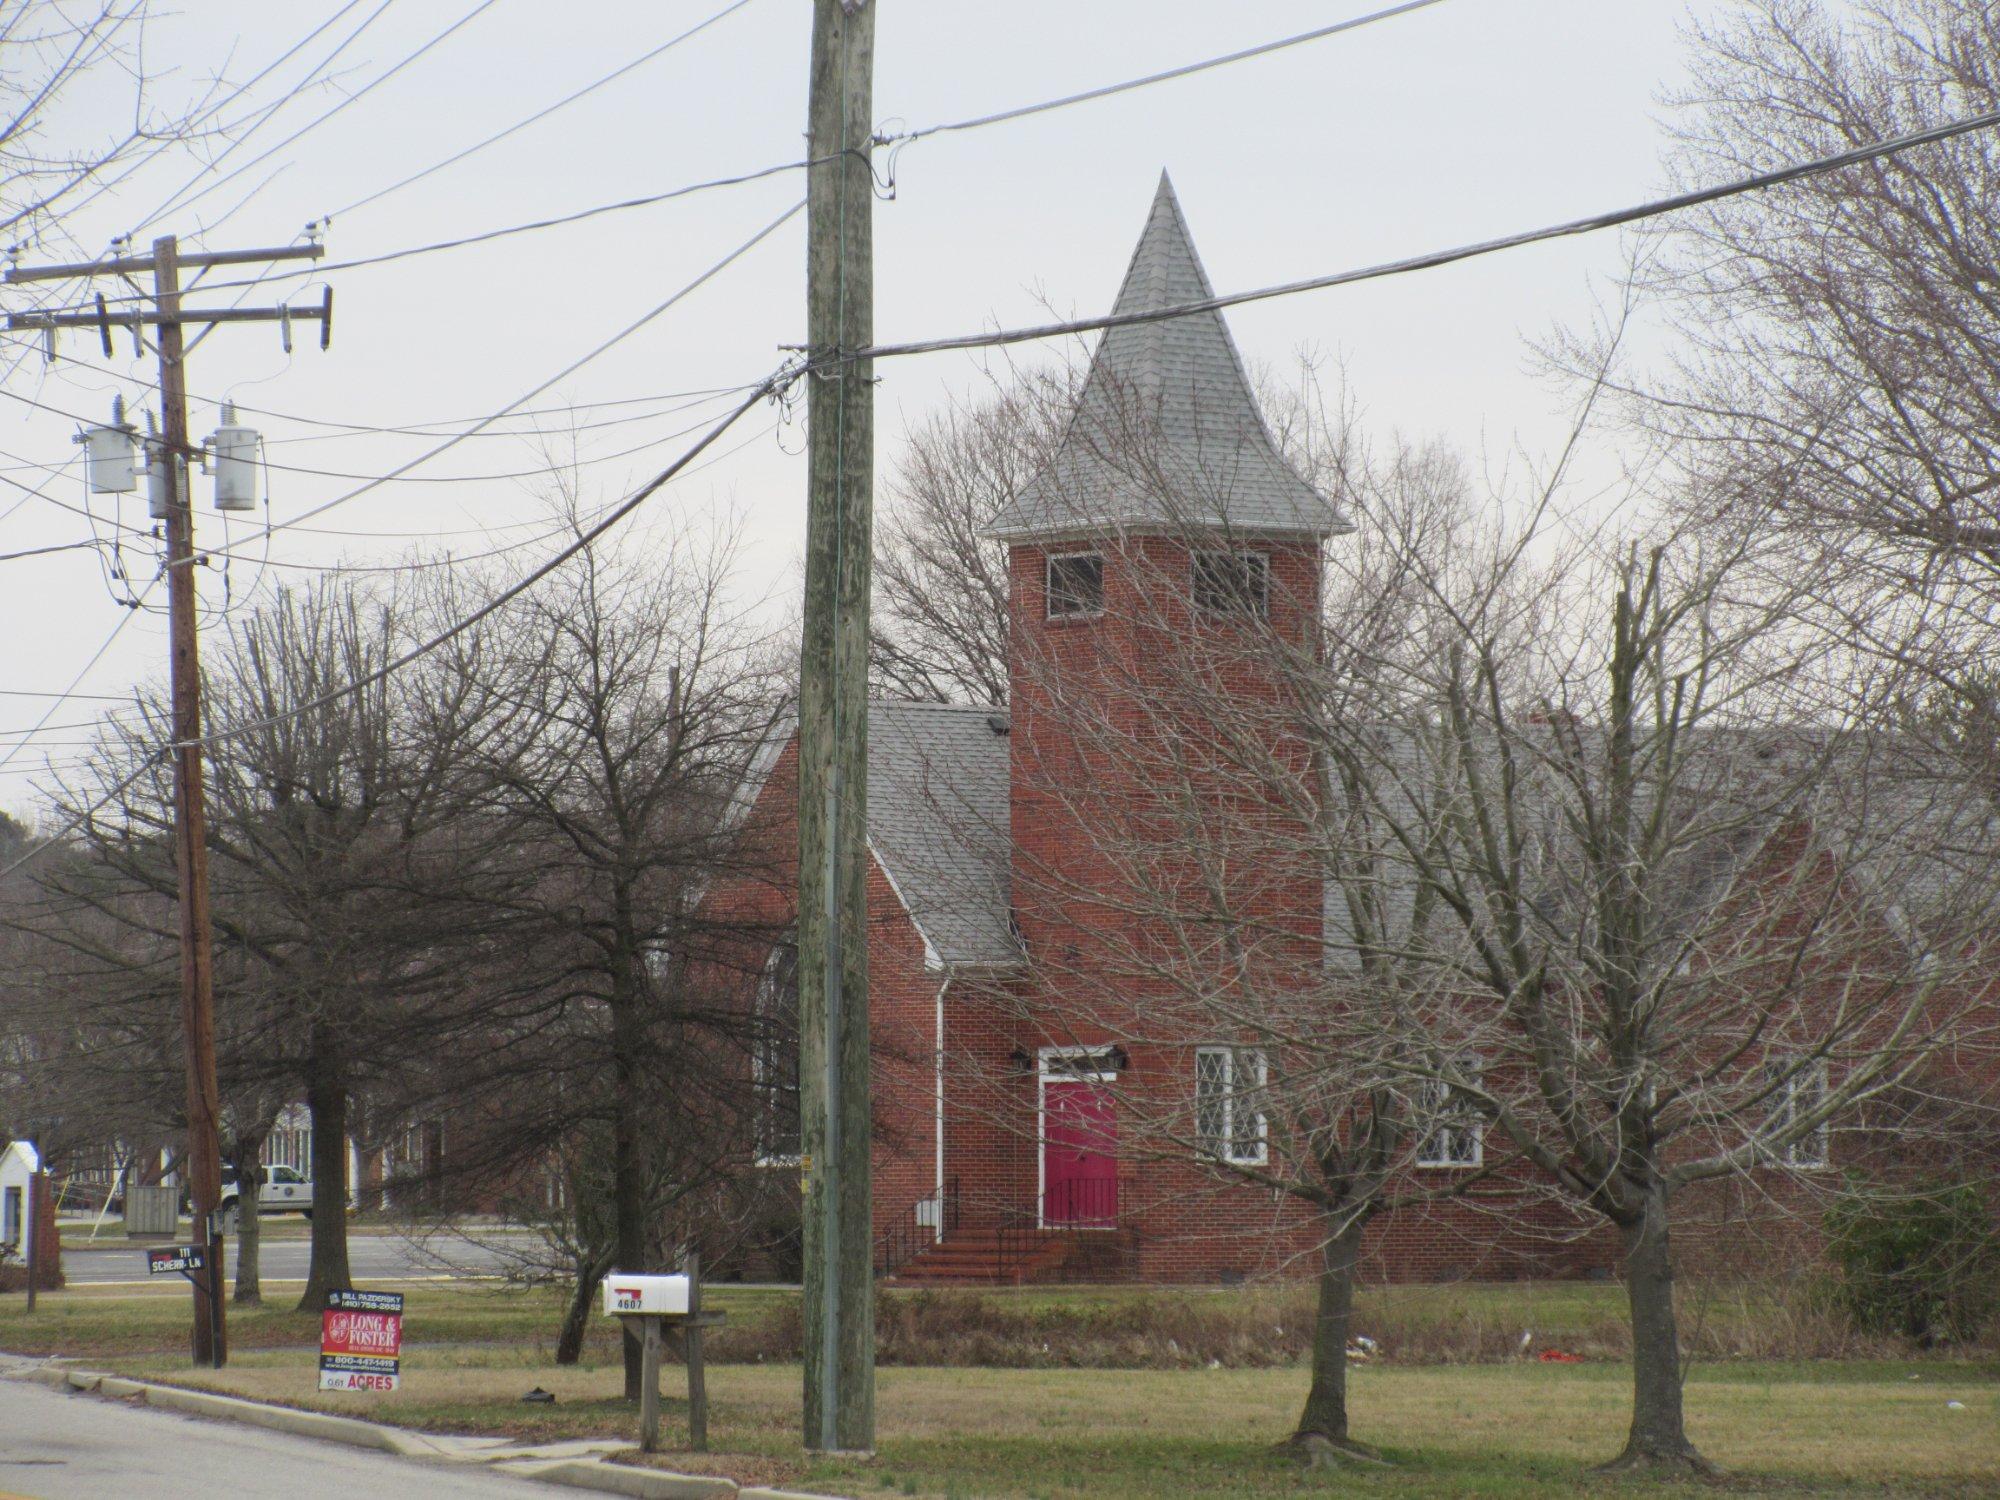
{"x":1048,"y":1428}
{"x":1506,"y":1430}
{"x":99,"y":1323}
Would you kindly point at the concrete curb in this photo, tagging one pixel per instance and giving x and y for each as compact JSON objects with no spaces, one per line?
{"x":647,"y":1484}
{"x":598,"y":1474}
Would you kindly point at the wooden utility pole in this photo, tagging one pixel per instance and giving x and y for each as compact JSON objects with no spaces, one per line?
{"x":204,"y":1098}
{"x":833,"y":737}
{"x":204,"y":1104}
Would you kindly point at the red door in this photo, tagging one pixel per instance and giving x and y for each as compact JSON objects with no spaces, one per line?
{"x":1079,"y":1156}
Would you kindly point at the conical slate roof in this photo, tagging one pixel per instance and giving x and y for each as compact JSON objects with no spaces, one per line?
{"x":1166,"y":431}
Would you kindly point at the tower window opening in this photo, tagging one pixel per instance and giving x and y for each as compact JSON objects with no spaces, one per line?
{"x":1076,"y":585}
{"x":1232,"y":583}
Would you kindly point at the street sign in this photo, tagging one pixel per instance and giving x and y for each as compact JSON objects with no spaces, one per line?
{"x":176,"y":1260}
{"x":361,"y":1341}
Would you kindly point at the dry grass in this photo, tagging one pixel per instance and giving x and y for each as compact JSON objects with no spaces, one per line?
{"x":1037,"y":1422}
{"x":1527,"y":1430}
{"x":1067,"y":1328}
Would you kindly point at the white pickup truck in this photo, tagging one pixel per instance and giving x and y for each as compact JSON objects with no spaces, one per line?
{"x":284,"y":1192}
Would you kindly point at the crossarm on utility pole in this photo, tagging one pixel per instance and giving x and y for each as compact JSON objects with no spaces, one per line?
{"x":126,"y":265}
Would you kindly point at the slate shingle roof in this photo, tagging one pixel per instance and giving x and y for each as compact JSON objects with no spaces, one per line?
{"x":938,"y":821}
{"x":1166,"y":430}
{"x":939,"y":824}
{"x":1898,"y":821}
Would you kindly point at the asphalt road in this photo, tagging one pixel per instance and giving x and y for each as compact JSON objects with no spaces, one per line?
{"x":58,"y":1446}
{"x":372,"y":1257}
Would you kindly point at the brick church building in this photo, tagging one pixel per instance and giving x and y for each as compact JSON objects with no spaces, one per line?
{"x":1043,"y":1108}
{"x":1005,"y":1146}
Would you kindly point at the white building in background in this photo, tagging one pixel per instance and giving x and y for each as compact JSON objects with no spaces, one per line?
{"x":18,"y":1164}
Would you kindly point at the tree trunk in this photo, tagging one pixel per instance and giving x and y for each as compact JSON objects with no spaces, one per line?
{"x":628,"y":1187}
{"x":1658,"y":1439}
{"x":1322,"y":1430}
{"x":249,"y":1219}
{"x":326,"y":1095}
{"x":576,"y":1321}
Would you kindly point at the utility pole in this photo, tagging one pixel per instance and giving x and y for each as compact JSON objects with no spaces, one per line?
{"x":833,"y":737}
{"x":204,"y":1104}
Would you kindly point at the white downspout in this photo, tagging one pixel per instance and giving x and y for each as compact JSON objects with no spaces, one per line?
{"x":938,"y":1064}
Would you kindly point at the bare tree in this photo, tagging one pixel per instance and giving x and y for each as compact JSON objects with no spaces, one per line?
{"x":1835,"y":375}
{"x":940,"y":621}
{"x":336,"y":875}
{"x":53,"y":52}
{"x":1699,"y":903}
{"x":634,"y":697}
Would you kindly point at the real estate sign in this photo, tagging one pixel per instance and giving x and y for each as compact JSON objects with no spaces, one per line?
{"x":361,"y":1341}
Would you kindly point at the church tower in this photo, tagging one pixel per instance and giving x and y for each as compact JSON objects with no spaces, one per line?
{"x":1168,"y":543}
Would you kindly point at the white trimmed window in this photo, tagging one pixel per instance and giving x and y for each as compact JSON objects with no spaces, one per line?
{"x":1232,"y":583}
{"x":1798,"y":1089}
{"x":774,"y":1060}
{"x":1229,"y":1122}
{"x":1454,"y":1132}
{"x":1075,"y":585}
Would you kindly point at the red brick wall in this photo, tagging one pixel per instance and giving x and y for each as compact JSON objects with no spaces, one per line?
{"x":902,"y":994}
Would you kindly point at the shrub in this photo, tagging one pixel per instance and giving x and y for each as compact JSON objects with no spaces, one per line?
{"x":1922,"y":1262}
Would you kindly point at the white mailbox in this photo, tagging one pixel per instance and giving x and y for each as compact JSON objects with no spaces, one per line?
{"x":647,"y":1295}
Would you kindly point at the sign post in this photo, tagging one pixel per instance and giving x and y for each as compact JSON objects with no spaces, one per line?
{"x":659,"y":1301}
{"x":361,"y":1341}
{"x":190,"y":1261}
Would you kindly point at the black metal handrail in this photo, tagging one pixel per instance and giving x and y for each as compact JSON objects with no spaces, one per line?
{"x":917,"y":1228}
{"x":1086,"y":1203}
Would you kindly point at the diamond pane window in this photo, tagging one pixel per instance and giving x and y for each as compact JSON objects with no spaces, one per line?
{"x":1229,"y":1120}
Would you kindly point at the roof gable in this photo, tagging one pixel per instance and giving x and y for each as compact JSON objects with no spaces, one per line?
{"x":938,"y":822}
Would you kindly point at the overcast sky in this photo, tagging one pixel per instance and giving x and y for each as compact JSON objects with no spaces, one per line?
{"x":1470,"y":119}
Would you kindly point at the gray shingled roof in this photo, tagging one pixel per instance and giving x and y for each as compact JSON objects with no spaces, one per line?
{"x":1898,"y":820}
{"x":939,"y":824}
{"x":1166,"y":430}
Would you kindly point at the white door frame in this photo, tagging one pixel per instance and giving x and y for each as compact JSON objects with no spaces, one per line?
{"x":1043,"y":1058}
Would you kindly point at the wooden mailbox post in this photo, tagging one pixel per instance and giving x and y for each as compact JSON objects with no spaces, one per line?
{"x":658,"y":1302}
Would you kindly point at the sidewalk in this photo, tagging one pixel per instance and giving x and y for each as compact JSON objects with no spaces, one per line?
{"x":581,"y":1464}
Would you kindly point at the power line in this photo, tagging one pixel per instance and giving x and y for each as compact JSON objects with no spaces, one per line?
{"x":82,"y":672}
{"x":44,"y":551}
{"x":539,"y":115}
{"x":563,"y":374}
{"x":270,"y":111}
{"x":234,"y":94}
{"x":892,"y":138}
{"x":1434,"y":258}
{"x":1105,"y":91}
{"x":419,"y":428}
{"x":32,"y":693}
{"x":534,"y":225}
{"x":318,"y":120}
{"x":548,"y":468}
{"x":454,"y":560}
{"x":375,"y":482}
{"x":770,"y":386}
